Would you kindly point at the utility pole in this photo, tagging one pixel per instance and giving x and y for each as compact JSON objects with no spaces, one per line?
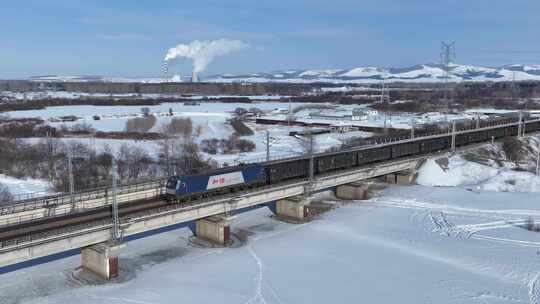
{"x":50,"y":156}
{"x":413,"y":123}
{"x":308,"y":145}
{"x":311,"y":165}
{"x":453,"y":136}
{"x":519,"y":124}
{"x":267,"y":145}
{"x":514,"y":85}
{"x":382,"y":91}
{"x":71,"y":182}
{"x":524,"y":126}
{"x":289,"y":114}
{"x":116,"y":222}
{"x":448,"y":56}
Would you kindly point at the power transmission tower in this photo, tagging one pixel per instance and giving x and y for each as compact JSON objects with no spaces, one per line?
{"x":448,"y":56}
{"x":166,"y":70}
{"x":290,"y":115}
{"x":385,"y":92}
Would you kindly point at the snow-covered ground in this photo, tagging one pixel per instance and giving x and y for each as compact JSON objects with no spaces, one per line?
{"x":115,"y":117}
{"x":40,"y":95}
{"x":210,"y":117}
{"x":492,"y":171}
{"x":25,"y":188}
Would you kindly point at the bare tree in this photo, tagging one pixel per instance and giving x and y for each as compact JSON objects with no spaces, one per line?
{"x":179,"y":126}
{"x":82,"y":127}
{"x":141,"y":124}
{"x":133,"y":161}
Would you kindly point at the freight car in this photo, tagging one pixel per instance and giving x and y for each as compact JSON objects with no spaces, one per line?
{"x":232,"y":179}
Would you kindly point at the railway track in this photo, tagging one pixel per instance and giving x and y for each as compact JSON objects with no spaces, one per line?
{"x":57,"y":224}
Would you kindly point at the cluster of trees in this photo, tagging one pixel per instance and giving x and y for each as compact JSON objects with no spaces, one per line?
{"x":240,"y":128}
{"x":140,"y":124}
{"x":233,"y":144}
{"x":48,"y":159}
{"x":179,"y":153}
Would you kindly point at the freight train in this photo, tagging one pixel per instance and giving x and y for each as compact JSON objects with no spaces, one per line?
{"x":242,"y":177}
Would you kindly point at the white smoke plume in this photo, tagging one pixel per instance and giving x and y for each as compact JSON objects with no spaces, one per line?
{"x":203,"y":52}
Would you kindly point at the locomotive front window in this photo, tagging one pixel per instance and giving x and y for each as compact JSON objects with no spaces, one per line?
{"x":171,"y":183}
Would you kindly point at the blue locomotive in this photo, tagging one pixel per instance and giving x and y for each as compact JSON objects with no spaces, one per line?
{"x":220,"y":180}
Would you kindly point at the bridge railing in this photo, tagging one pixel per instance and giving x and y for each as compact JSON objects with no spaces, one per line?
{"x":82,"y":206}
{"x":56,"y":201}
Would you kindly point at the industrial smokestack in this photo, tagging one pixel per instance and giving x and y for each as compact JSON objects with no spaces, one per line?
{"x":203,"y":52}
{"x":194,"y":77}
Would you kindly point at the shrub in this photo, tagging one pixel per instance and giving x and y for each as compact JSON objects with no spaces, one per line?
{"x":240,"y":128}
{"x":83,"y":128}
{"x":179,"y":126}
{"x":5,"y":195}
{"x":512,"y":147}
{"x":230,"y":145}
{"x":140,"y":124}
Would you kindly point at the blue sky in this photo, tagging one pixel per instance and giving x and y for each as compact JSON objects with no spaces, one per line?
{"x":130,"y":37}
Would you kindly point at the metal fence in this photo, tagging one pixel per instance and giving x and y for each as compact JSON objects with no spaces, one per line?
{"x":59,"y":200}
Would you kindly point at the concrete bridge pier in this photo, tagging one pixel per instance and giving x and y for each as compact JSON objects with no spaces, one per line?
{"x":215,"y":229}
{"x":293,"y":208}
{"x":102,"y":259}
{"x":400,"y":178}
{"x":352,"y":191}
{"x":358,"y":190}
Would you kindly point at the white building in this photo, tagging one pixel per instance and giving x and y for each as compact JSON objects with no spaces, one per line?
{"x":364,"y":113}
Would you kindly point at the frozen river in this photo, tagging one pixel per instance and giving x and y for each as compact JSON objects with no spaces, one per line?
{"x":412,"y":244}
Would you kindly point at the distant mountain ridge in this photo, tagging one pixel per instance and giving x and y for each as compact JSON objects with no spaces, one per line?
{"x":423,"y":73}
{"x":418,"y":73}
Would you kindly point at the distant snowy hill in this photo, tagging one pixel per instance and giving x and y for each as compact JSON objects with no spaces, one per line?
{"x":418,"y":73}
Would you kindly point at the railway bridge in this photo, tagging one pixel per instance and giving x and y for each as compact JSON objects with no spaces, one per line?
{"x":40,"y":231}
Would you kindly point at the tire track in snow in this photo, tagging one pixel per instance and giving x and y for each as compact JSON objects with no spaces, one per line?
{"x":258,"y":297}
{"x":533,"y":285}
{"x":444,"y":227}
{"x":437,"y":214}
{"x":448,"y":209}
{"x":492,"y":225}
